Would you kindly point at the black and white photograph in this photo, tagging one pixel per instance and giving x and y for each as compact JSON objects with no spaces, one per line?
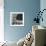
{"x":17,"y":18}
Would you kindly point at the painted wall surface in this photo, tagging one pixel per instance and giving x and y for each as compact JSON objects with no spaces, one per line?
{"x":29,"y":7}
{"x":43,"y":6}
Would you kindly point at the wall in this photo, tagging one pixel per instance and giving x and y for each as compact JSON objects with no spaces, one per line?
{"x":29,"y":7}
{"x":43,"y":6}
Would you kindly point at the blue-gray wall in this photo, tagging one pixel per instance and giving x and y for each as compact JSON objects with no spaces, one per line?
{"x":43,"y":6}
{"x":29,"y":7}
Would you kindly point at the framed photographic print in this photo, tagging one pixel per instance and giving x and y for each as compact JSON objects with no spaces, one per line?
{"x":16,"y":18}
